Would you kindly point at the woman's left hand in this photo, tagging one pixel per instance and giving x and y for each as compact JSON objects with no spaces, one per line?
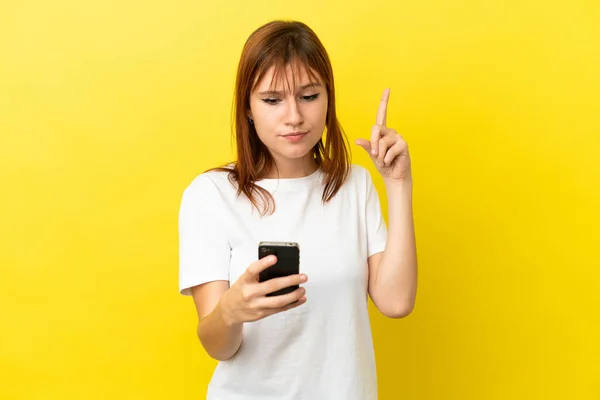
{"x":387,"y":148}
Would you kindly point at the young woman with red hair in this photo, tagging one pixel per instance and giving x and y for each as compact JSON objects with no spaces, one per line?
{"x":292,"y":181}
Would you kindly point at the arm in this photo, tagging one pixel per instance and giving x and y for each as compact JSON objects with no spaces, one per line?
{"x":393,"y":273}
{"x":204,"y":255}
{"x":204,"y":273}
{"x":220,"y":337}
{"x":222,"y":310}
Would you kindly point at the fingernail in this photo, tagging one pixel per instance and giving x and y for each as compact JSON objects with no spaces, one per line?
{"x":303,"y":278}
{"x":373,"y":151}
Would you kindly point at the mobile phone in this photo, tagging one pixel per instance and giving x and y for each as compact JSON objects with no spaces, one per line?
{"x":288,"y":263}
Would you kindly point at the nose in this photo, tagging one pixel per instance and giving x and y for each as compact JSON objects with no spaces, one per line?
{"x":293,"y":115}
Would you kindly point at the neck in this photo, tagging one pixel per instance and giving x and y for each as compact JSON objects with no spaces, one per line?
{"x":295,"y":168}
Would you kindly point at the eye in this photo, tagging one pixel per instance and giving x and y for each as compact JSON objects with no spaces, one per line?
{"x":311,"y":97}
{"x":271,"y":101}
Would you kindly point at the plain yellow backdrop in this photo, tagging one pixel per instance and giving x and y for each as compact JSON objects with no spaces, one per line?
{"x":109,"y":109}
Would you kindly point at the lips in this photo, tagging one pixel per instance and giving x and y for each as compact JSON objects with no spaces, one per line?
{"x":297,"y":133}
{"x":295,"y":136}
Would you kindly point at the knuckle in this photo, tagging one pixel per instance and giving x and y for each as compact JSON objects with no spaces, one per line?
{"x":246,"y":294}
{"x":285,"y":300}
{"x":250,"y":271}
{"x":285,"y":282}
{"x":273,"y":284}
{"x":281,"y":302}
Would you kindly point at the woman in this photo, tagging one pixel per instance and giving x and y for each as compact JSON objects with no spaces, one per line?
{"x":289,"y":183}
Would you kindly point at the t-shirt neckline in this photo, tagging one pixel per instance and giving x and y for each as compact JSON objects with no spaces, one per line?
{"x":290,"y":183}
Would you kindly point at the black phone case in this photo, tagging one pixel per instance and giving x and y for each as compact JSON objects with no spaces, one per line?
{"x":288,"y":263}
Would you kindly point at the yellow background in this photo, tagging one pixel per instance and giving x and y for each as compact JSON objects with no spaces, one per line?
{"x":109,"y":109}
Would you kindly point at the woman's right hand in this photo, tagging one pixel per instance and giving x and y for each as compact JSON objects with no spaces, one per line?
{"x":246,"y":300}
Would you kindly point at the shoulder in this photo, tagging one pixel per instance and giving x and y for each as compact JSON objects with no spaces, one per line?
{"x":208,"y":186}
{"x":360,"y":176}
{"x":357,"y":170}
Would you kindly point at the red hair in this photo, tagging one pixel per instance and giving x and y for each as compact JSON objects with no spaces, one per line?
{"x":279,"y":44}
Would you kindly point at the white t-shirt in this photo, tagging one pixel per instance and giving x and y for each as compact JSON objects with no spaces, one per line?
{"x":322,"y":349}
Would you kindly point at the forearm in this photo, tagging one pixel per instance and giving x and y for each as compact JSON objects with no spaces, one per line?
{"x":397,"y":273}
{"x":220,"y":337}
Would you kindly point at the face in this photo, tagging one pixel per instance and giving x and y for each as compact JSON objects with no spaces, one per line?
{"x":289,"y":124}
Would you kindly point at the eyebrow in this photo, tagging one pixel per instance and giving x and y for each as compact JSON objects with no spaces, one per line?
{"x":277,"y":93}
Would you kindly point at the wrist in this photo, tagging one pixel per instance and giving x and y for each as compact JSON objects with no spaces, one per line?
{"x":224,"y":310}
{"x":399,"y":184}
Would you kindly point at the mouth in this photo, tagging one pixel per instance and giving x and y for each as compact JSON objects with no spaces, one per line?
{"x":295,"y":136}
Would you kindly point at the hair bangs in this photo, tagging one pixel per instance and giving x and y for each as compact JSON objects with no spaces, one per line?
{"x":296,"y":62}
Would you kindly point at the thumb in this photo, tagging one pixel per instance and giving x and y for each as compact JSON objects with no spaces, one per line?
{"x":365,"y":144}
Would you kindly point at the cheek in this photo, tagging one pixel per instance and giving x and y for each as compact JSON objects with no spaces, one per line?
{"x":324,"y":116}
{"x":265,"y":121}
{"x":322,"y":111}
{"x":321,"y":116}
{"x":268,"y":115}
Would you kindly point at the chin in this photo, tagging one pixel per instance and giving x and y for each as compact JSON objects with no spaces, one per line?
{"x":295,"y":150}
{"x":295,"y":153}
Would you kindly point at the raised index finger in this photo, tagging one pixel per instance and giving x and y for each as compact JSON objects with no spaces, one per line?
{"x":382,"y":110}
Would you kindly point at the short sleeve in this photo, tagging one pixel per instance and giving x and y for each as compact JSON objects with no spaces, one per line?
{"x":204,"y":250}
{"x":376,"y":227}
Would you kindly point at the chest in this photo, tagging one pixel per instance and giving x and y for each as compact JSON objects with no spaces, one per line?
{"x":331,"y":236}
